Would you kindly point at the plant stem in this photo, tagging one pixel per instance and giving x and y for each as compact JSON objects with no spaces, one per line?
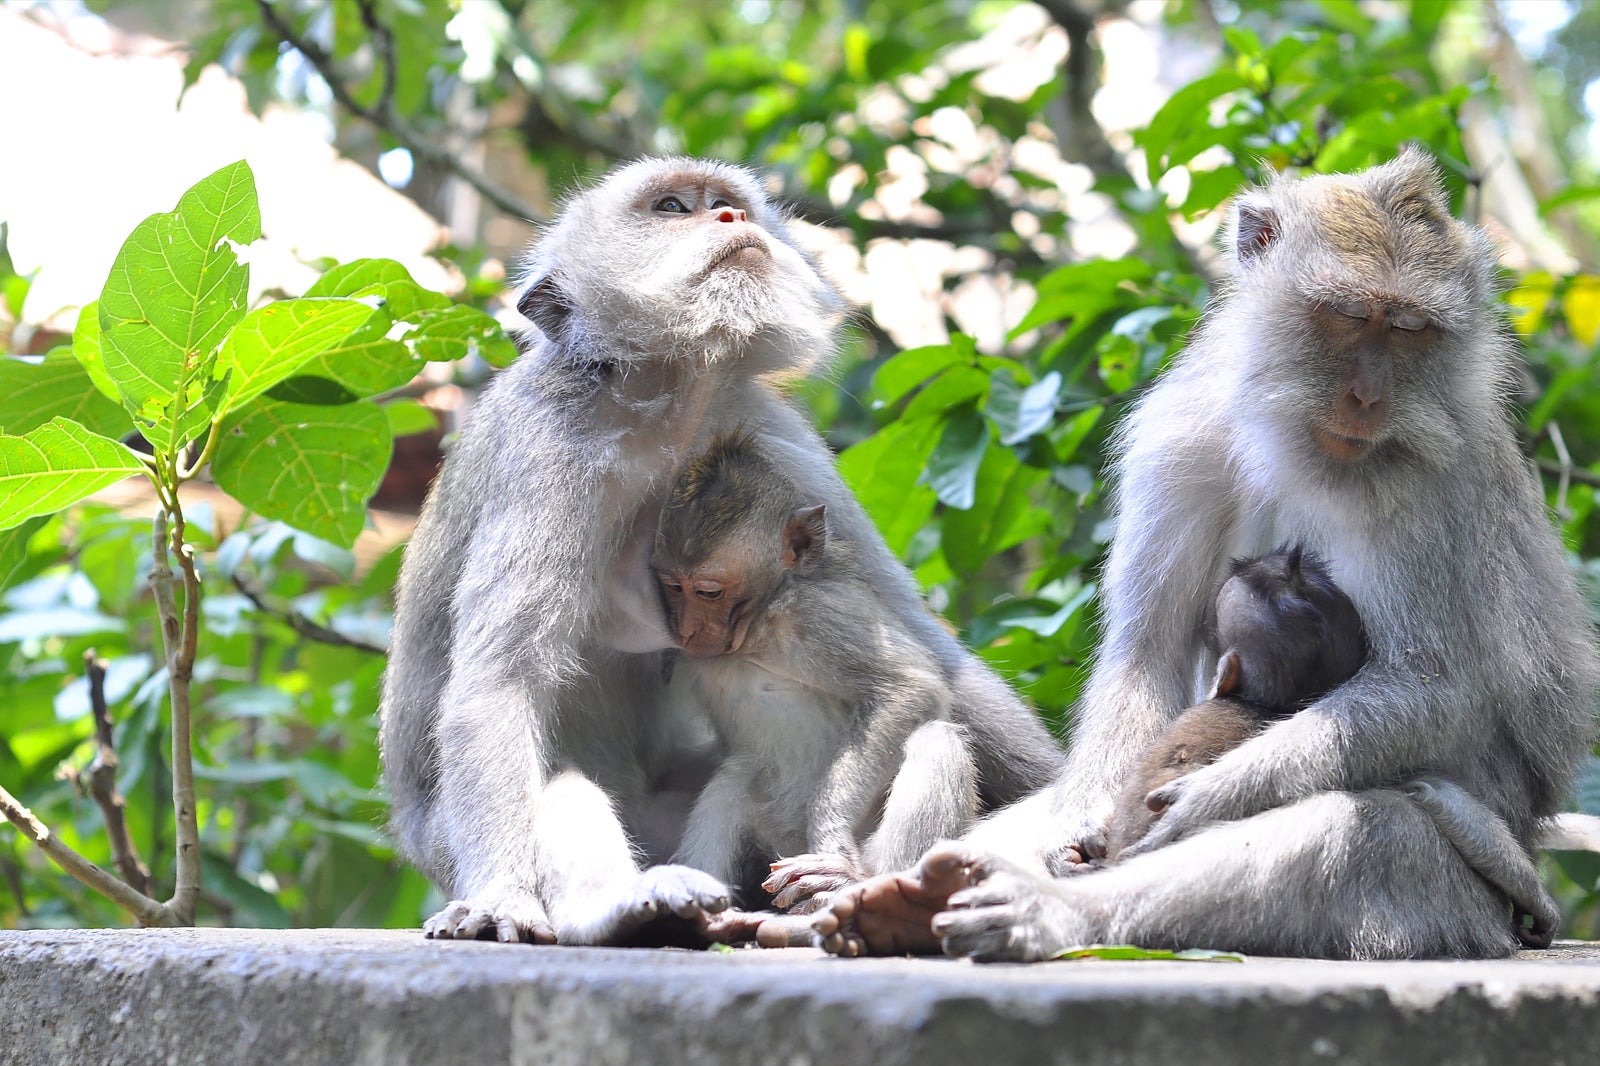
{"x":179,"y":633}
{"x":103,"y":780}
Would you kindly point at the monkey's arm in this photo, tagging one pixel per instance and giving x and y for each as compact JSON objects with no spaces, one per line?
{"x":1176,"y":513}
{"x":1384,"y":724}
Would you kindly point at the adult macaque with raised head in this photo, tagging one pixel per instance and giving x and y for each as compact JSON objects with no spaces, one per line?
{"x":846,"y":732}
{"x":530,"y":744}
{"x":1347,"y":392}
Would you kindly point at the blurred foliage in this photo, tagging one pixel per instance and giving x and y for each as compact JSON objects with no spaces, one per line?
{"x":982,"y":462}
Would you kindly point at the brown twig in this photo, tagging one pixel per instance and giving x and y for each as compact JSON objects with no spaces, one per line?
{"x":179,"y":633}
{"x":301,"y":624}
{"x":382,"y":114}
{"x":103,"y":780}
{"x":136,"y":903}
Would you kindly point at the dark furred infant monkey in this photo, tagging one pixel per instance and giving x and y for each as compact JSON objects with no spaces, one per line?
{"x":844,"y":733}
{"x":1288,"y":634}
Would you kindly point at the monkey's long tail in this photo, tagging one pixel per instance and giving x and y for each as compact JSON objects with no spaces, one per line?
{"x":1571,"y":832}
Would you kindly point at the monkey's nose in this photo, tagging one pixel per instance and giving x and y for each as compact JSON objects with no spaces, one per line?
{"x":730,"y":214}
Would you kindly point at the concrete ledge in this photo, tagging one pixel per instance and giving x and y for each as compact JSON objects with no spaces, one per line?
{"x":220,"y":996}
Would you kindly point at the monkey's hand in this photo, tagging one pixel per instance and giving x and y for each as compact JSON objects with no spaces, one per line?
{"x":1009,"y":915}
{"x":800,"y":879}
{"x":498,"y":913}
{"x":1225,"y":791}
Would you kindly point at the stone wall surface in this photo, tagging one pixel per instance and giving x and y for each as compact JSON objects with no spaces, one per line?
{"x":284,"y":998}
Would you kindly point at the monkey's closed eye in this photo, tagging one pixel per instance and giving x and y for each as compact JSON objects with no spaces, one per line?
{"x":709,"y":594}
{"x":1353,"y":308}
{"x":1409,"y":322}
{"x":672,"y":205}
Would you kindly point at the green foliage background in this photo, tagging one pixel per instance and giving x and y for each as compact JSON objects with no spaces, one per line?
{"x":983,"y":469}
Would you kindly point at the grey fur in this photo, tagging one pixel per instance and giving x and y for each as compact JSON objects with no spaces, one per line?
{"x":530,"y":746}
{"x":1483,"y":664}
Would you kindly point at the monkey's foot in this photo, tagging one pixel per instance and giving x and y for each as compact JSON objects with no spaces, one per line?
{"x":766,"y":928}
{"x":893,"y":914}
{"x":507,"y":916}
{"x":1011,"y":915}
{"x":799,"y":878}
{"x":664,"y":905}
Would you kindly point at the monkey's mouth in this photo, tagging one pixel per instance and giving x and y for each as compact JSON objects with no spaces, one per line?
{"x":1341,"y":446}
{"x":740,"y":250}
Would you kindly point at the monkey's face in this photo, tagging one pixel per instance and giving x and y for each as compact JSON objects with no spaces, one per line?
{"x":710,"y":606}
{"x":1364,"y":293}
{"x":680,"y":257}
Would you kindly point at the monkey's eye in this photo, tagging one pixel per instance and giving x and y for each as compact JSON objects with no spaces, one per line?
{"x":674,"y":587}
{"x":1353,"y":308}
{"x":709,"y":594}
{"x":672,"y":205}
{"x":720,"y":202}
{"x":1409,"y":322}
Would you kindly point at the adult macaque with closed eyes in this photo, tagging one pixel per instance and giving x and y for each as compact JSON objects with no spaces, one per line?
{"x":1349,"y":393}
{"x":531,"y":747}
{"x":847,"y":735}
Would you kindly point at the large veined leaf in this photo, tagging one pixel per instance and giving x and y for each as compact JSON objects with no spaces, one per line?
{"x":14,"y":548}
{"x":176,"y":288}
{"x":403,"y":298}
{"x":313,"y":467}
{"x":56,"y":464}
{"x":459,"y":331}
{"x":31,"y":394}
{"x":86,"y":347}
{"x":273,"y":342}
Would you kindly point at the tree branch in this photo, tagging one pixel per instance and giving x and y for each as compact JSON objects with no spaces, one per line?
{"x":103,"y":780}
{"x":301,"y":624}
{"x":382,"y":114}
{"x":136,"y":903}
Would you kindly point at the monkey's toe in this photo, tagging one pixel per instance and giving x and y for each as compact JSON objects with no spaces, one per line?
{"x":889,"y":915}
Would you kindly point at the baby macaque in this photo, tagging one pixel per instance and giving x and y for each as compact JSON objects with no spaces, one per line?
{"x":1289,"y":634}
{"x":847,"y":737}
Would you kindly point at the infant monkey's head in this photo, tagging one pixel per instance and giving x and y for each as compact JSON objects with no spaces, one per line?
{"x":1288,"y":633}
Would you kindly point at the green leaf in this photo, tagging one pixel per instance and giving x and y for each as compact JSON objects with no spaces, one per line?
{"x":956,"y":386}
{"x":1127,"y":952}
{"x":408,"y":416}
{"x":952,"y":469}
{"x":86,"y":347}
{"x":1002,"y":515}
{"x":31,"y":394}
{"x":1018,"y":412}
{"x":14,"y":548}
{"x":312,"y":467}
{"x":273,"y":342}
{"x":883,"y":472}
{"x":903,"y":372}
{"x":56,"y":464}
{"x":1188,"y":108}
{"x":176,"y":288}
{"x":460,"y":331}
{"x":403,"y":298}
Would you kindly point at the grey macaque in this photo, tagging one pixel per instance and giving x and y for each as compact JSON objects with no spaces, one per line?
{"x":847,"y":738}
{"x":1348,"y":391}
{"x":1288,"y":635}
{"x":536,"y":760}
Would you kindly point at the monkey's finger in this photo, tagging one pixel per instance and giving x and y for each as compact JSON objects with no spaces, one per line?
{"x":952,"y":865}
{"x":992,"y":893}
{"x":1161,"y":798}
{"x":807,"y":887}
{"x":473,"y":924}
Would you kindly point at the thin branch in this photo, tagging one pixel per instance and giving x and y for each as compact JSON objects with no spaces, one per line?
{"x":1579,"y":474}
{"x":179,"y":633}
{"x":383,"y":116}
{"x":103,"y":780}
{"x":301,"y":624}
{"x":142,"y":907}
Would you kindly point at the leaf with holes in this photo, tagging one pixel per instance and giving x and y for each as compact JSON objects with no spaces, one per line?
{"x":86,"y":347}
{"x":56,"y":464}
{"x":313,"y":467}
{"x":176,"y":288}
{"x":272,"y":343}
{"x":31,"y":394}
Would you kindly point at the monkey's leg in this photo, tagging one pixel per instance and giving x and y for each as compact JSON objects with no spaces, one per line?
{"x":1486,"y":843}
{"x":934,"y":797}
{"x":719,"y":827}
{"x":1360,"y":875}
{"x":598,"y":894}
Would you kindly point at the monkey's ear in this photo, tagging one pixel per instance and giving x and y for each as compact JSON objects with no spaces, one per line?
{"x":1227,"y":682}
{"x":804,"y":538}
{"x":547,"y":306}
{"x":1256,"y":226}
